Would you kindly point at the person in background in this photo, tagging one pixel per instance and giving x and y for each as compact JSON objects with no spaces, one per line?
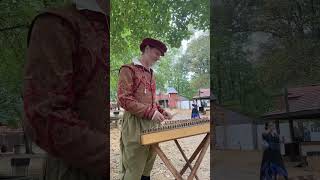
{"x":195,"y":112}
{"x":136,"y":95}
{"x":272,"y":165}
{"x":306,"y":134}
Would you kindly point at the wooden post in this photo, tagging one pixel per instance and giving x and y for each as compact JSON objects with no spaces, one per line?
{"x":287,"y":106}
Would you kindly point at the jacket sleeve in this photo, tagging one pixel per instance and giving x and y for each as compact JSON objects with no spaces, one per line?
{"x":126,"y":97}
{"x":49,"y":98}
{"x":160,"y":109}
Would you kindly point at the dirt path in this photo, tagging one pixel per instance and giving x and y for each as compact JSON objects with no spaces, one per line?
{"x":245,"y":165}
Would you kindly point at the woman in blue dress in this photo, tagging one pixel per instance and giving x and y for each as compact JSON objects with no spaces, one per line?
{"x":272,"y":164}
{"x":195,"y":113}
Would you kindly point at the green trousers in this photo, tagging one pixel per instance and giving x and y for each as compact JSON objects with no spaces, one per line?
{"x":136,"y":159}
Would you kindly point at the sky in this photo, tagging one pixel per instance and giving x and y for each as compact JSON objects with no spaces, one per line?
{"x":184,"y":43}
{"x":184,"y":46}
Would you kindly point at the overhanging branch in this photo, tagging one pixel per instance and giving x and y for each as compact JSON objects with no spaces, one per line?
{"x":14,"y":27}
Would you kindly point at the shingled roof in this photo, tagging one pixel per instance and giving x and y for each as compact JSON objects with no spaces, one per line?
{"x":204,"y":93}
{"x":302,"y":101}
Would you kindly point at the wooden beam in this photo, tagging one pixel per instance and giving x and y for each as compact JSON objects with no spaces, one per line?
{"x":14,"y":27}
{"x":287,"y":106}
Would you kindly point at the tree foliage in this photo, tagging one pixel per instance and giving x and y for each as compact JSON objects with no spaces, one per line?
{"x":287,"y":58}
{"x":16,"y":17}
{"x":190,"y":71}
{"x":167,"y":20}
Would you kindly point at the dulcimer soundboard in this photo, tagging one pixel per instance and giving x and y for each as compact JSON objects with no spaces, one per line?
{"x":175,"y":129}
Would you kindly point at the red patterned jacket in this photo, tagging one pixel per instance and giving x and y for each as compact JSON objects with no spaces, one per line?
{"x":137,"y":90}
{"x":66,"y":85}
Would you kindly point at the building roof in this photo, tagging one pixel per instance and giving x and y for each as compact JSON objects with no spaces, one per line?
{"x":304,"y":102}
{"x":181,"y":98}
{"x":172,"y":90}
{"x":230,"y":117}
{"x":162,"y":96}
{"x":202,"y":93}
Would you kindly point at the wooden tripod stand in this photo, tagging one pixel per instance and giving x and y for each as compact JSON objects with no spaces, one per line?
{"x":202,"y":148}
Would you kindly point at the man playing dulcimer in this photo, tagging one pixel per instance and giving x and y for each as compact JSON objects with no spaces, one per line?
{"x":136,"y":94}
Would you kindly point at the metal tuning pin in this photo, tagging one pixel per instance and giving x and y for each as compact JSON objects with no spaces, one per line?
{"x":160,"y":128}
{"x":174,"y":124}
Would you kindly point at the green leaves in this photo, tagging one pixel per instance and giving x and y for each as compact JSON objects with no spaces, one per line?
{"x":186,"y":73}
{"x":287,"y":58}
{"x":167,"y":20}
{"x":14,"y":21}
{"x":10,"y":106}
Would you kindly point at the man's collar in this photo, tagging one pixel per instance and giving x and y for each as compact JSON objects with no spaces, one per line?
{"x":135,"y":61}
{"x":91,"y":5}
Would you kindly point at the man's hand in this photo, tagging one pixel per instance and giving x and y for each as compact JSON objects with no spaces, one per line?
{"x":167,"y":115}
{"x":158,"y":117}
